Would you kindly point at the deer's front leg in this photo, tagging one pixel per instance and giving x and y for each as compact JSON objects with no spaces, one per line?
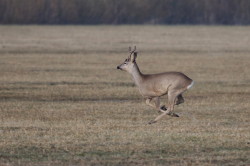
{"x":155,"y":103}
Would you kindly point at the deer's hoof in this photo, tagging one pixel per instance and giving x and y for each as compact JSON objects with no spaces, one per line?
{"x":151,"y":122}
{"x":174,"y":115}
{"x":164,"y":108}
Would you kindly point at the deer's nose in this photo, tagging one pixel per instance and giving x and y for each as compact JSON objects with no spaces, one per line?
{"x":118,"y":67}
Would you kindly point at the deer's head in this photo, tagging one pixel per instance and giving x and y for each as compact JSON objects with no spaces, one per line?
{"x":129,"y":63}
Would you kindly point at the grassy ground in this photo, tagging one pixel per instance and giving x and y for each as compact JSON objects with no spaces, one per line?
{"x":62,"y":101}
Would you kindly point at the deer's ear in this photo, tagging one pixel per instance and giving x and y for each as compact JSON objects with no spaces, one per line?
{"x":133,"y":56}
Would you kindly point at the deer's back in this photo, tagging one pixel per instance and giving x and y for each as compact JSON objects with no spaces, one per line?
{"x":158,"y":84}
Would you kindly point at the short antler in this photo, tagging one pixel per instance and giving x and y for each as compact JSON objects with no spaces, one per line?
{"x":131,"y":52}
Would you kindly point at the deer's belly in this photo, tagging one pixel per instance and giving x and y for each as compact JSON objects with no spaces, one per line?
{"x":151,"y":92}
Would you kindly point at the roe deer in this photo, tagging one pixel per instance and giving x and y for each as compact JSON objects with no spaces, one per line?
{"x":153,"y":86}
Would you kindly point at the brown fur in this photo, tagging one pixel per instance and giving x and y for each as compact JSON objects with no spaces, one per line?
{"x":153,"y":86}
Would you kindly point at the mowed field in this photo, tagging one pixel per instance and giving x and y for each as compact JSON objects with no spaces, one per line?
{"x":63,"y":102}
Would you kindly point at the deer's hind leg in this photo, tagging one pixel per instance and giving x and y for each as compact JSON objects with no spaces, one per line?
{"x":179,"y":100}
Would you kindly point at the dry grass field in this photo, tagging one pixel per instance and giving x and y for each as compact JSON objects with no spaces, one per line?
{"x":62,"y":101}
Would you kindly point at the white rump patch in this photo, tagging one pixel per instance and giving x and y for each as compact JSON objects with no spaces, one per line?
{"x":190,"y":86}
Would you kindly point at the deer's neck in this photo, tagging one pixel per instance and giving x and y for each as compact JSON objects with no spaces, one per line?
{"x":137,"y":75}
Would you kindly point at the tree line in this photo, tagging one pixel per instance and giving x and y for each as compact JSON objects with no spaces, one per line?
{"x":125,"y":12}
